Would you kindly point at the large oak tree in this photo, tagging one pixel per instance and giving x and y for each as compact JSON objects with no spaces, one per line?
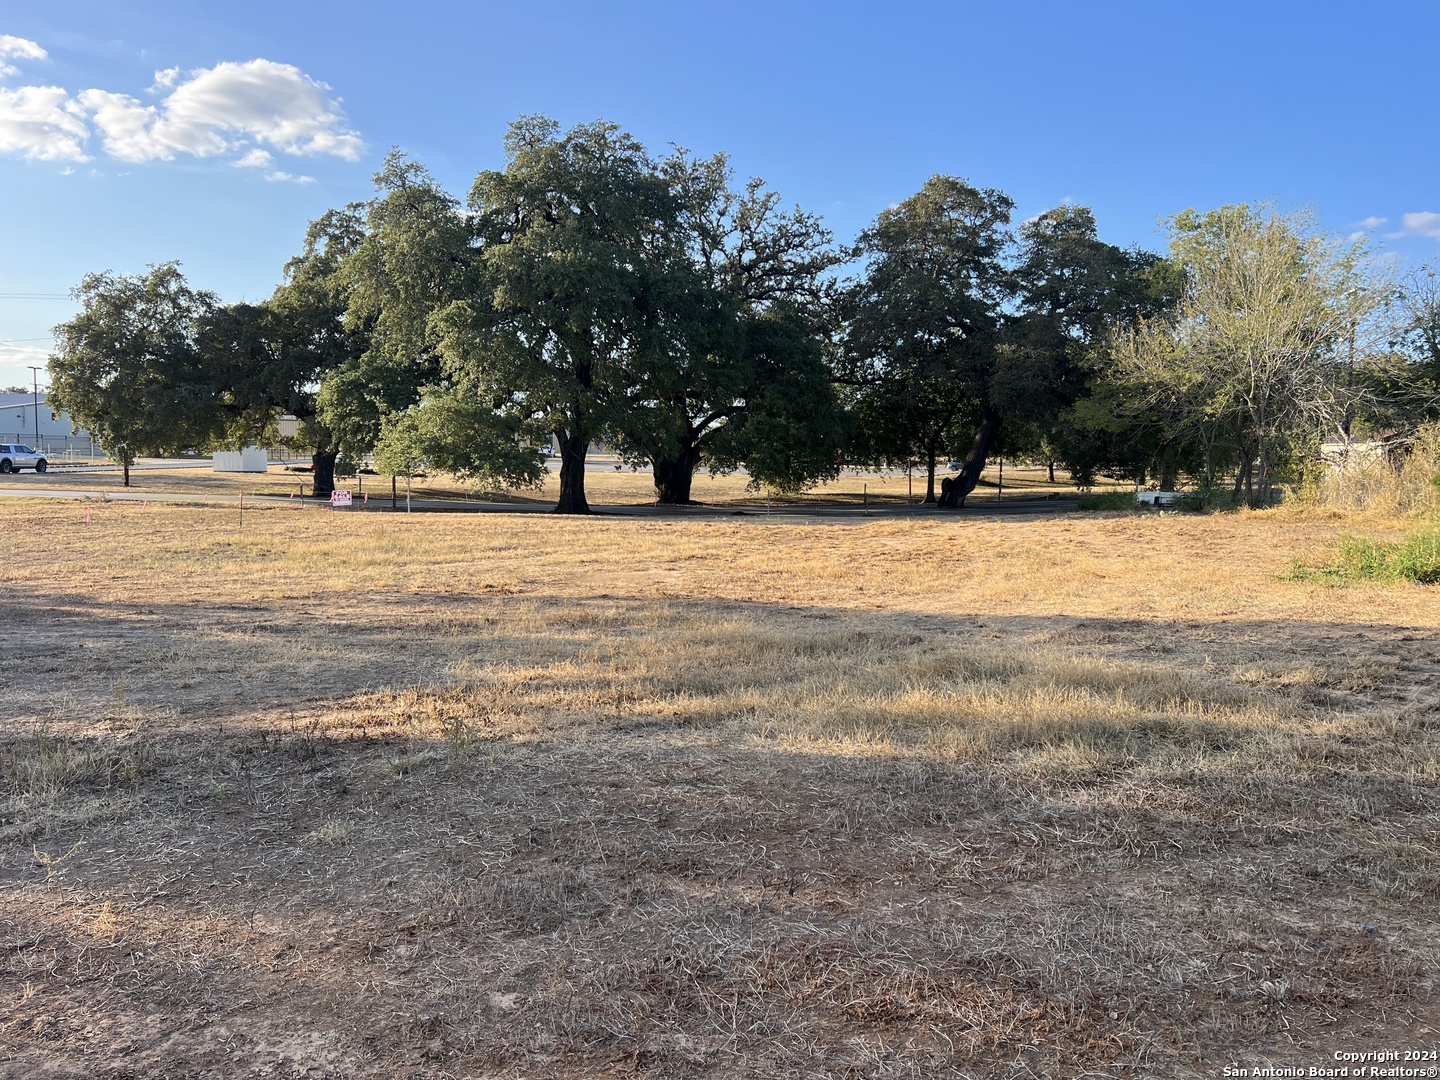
{"x":129,"y":368}
{"x":570,"y":261}
{"x":924,"y":325}
{"x":744,"y":379}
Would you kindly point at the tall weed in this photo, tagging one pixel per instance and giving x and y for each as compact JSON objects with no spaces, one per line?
{"x":1415,"y":558}
{"x":1376,"y":482}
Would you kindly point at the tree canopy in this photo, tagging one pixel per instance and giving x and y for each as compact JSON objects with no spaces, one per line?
{"x":569,"y":263}
{"x":744,"y":379}
{"x":924,"y":320}
{"x":1259,"y":352}
{"x":129,"y":366}
{"x":962,"y":333}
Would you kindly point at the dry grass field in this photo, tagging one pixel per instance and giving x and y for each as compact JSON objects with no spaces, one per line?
{"x":325,"y":795}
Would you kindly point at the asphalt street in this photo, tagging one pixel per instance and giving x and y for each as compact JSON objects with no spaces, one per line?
{"x":836,"y":512}
{"x":983,"y":505}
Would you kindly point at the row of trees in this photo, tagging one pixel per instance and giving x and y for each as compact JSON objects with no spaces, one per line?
{"x":591,"y":291}
{"x":1282,"y":336}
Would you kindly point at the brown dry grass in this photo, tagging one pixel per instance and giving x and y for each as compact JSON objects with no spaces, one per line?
{"x":312,"y":794}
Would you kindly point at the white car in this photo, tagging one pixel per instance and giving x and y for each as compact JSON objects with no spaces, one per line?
{"x":15,"y":456}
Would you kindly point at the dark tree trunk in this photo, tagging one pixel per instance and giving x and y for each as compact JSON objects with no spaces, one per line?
{"x":673,"y":477}
{"x":1167,"y":469}
{"x":1051,"y":466}
{"x":323,"y":462}
{"x":573,"y":449}
{"x":125,"y":473}
{"x":1245,"y":478}
{"x":954,"y":490}
{"x":930,"y":477}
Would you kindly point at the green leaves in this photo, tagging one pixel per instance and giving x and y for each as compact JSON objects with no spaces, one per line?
{"x":458,"y":435}
{"x":1275,"y":320}
{"x":128,"y":367}
{"x":924,"y":319}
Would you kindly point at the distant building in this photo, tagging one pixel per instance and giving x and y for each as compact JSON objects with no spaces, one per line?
{"x":18,"y":425}
{"x":1346,"y":454}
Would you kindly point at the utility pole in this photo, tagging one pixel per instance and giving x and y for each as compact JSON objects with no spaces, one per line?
{"x":35,"y":388}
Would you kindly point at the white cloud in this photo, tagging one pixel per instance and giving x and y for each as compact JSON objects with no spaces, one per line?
{"x":206,"y":112}
{"x":272,"y":103}
{"x":1425,"y":222}
{"x":15,"y":361}
{"x":212,"y":111}
{"x":128,"y":129}
{"x":21,"y":355}
{"x":255,"y":159}
{"x":1372,"y":222}
{"x":20,"y":48}
{"x":263,"y":159}
{"x":44,"y":123}
{"x":41,"y":122}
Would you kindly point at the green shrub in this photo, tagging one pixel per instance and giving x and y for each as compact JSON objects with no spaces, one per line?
{"x":1416,"y":558}
{"x":1204,"y":499}
{"x":1109,"y":500}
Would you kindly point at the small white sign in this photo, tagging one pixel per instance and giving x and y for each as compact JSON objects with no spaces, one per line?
{"x":339,"y":498}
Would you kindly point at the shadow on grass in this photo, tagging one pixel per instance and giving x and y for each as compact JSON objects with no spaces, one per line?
{"x":429,"y":835}
{"x":677,"y":904}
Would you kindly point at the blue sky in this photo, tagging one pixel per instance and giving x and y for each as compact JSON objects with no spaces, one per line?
{"x":133,"y":133}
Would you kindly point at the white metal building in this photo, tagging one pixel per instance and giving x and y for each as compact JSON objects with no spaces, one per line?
{"x":252,"y":459}
{"x":19,"y":417}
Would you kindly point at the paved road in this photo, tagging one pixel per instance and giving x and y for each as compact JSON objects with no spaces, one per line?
{"x":833,"y":512}
{"x":593,"y":464}
{"x":143,"y":465}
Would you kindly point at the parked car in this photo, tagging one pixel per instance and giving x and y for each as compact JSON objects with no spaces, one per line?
{"x":15,"y":456}
{"x":1155,"y":498}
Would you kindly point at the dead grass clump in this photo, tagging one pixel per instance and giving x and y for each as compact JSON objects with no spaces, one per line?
{"x":332,"y":834}
{"x":540,"y":900}
{"x":43,"y":765}
{"x":973,"y":702}
{"x":1405,"y":867}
